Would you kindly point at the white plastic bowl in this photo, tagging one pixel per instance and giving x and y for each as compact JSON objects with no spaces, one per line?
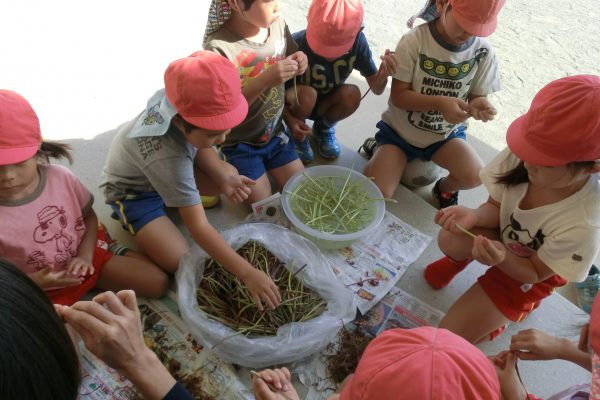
{"x":332,"y":240}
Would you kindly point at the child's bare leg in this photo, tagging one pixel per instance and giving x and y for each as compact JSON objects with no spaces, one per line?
{"x":462,"y":163}
{"x":283,"y":174}
{"x":340,"y":103}
{"x":458,"y":246}
{"x":206,"y":186}
{"x":386,"y":167}
{"x":162,"y":241}
{"x":473,"y":316}
{"x":300,"y":110}
{"x":261,"y":190}
{"x":143,"y":277}
{"x":137,"y":255}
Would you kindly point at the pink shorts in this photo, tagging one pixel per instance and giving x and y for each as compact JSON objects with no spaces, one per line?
{"x":71,"y":294}
{"x":515,"y":299}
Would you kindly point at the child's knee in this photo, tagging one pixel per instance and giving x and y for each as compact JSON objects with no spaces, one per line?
{"x":304,"y":104}
{"x":350,"y":97}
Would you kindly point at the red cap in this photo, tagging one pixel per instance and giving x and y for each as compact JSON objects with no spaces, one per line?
{"x":562,"y":124}
{"x":423,"y":363}
{"x":205,"y":89}
{"x":333,"y":25}
{"x":477,"y":17}
{"x":20,"y":135}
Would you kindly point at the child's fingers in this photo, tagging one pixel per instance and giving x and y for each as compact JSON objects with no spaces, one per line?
{"x":257,"y":301}
{"x":247,"y":181}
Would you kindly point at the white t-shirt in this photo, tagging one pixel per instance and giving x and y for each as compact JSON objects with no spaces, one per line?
{"x":565,"y":235}
{"x":435,"y":68}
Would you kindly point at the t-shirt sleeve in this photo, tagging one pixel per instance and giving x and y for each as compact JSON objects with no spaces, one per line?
{"x":503,"y":162}
{"x":173,"y":179}
{"x":364,"y":58}
{"x":178,"y":392}
{"x":84,"y":196}
{"x":570,"y":253}
{"x":406,"y":57}
{"x":487,"y":78}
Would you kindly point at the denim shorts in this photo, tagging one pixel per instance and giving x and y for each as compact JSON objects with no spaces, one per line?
{"x":253,"y":161}
{"x":387,"y":135}
{"x":137,"y":210}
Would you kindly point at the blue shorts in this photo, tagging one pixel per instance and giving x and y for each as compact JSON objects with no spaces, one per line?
{"x":137,"y":210}
{"x":387,"y":135}
{"x":254,"y":161}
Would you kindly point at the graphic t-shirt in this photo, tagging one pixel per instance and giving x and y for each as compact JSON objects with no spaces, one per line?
{"x":251,"y":59}
{"x":435,"y":68}
{"x":46,"y":227}
{"x":324,"y":75}
{"x":565,"y":234}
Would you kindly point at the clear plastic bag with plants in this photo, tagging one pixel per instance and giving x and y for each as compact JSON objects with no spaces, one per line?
{"x":223,"y":317}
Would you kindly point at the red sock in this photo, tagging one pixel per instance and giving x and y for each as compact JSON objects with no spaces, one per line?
{"x":439,"y":273}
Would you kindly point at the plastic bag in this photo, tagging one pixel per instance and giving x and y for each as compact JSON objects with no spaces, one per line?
{"x":293,"y":341}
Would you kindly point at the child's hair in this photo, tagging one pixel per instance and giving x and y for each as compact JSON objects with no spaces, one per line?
{"x":55,"y":150}
{"x":36,"y":353}
{"x":187,"y":127}
{"x":247,"y":3}
{"x":518,"y":174}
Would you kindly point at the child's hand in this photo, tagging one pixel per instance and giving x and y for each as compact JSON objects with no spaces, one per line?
{"x":261,"y":288}
{"x":488,"y":252}
{"x":237,"y":187}
{"x":279,"y":380}
{"x":533,"y":344}
{"x":48,"y":277}
{"x":388,"y":65}
{"x":448,"y":217}
{"x":300,"y":130}
{"x":481,"y":109}
{"x":506,"y":368}
{"x":281,"y":72}
{"x":302,"y":61}
{"x":454,"y":110}
{"x":79,"y":267}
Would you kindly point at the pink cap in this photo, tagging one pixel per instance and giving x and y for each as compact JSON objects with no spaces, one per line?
{"x":205,"y":89}
{"x":562,"y":124}
{"x":477,"y":17}
{"x":333,"y":25}
{"x":422,"y":363}
{"x":20,"y":135}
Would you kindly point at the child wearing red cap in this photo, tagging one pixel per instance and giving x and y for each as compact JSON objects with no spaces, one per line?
{"x":445,"y":70}
{"x":48,"y":228}
{"x":165,"y":155}
{"x":540,"y":227}
{"x":257,"y":41}
{"x":335,"y":46}
{"x":423,"y":363}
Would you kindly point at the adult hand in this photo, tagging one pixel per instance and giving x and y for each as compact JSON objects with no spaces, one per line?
{"x":454,"y":110}
{"x":49,"y":277}
{"x":488,"y":252}
{"x":110,"y":327}
{"x":80,"y":267}
{"x":261,"y":288}
{"x":278,"y":380}
{"x":302,"y":61}
{"x":448,"y":217}
{"x":533,"y":344}
{"x":481,"y":109}
{"x":388,"y":65}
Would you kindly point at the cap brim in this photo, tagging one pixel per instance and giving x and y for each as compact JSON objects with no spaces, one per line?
{"x":515,"y":138}
{"x":15,"y":156}
{"x":222,"y":122}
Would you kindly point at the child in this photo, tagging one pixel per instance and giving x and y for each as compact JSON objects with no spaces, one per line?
{"x":252,"y":35}
{"x":445,"y":70}
{"x":163,"y":156}
{"x":422,"y":363}
{"x":335,"y":45}
{"x":47,"y":225}
{"x":540,"y":227}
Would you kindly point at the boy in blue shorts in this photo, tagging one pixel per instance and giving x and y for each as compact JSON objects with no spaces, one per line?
{"x":164,"y":155}
{"x":253,"y":36}
{"x":445,"y":70}
{"x":335,"y":45}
